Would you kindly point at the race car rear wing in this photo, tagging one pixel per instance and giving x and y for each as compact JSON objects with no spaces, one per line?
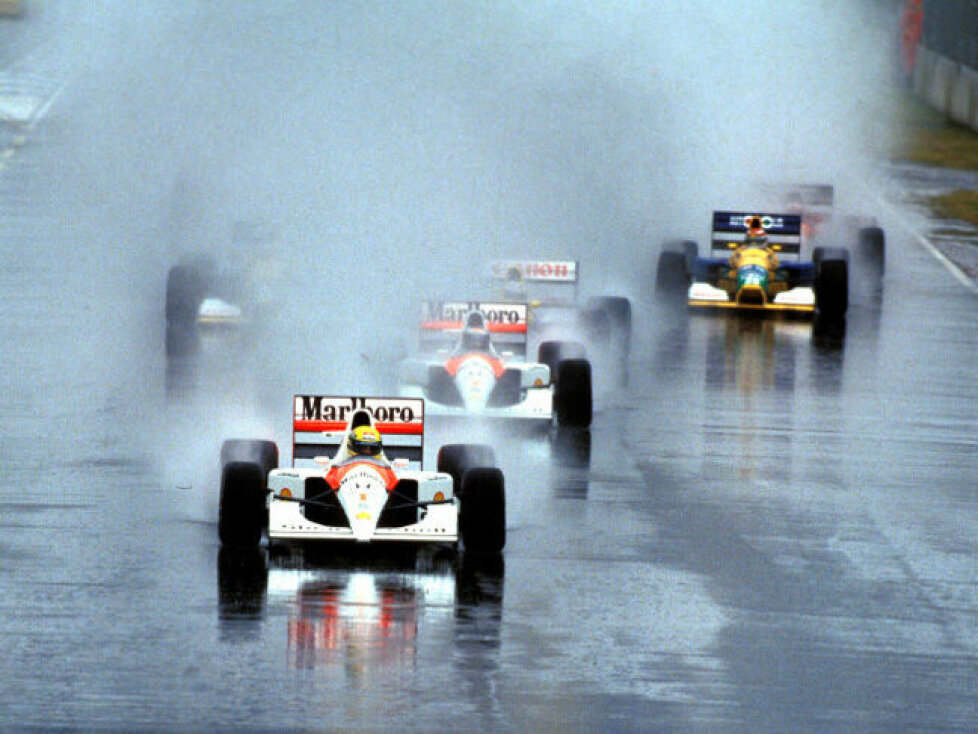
{"x":783,"y":231}
{"x":442,"y":323}
{"x":800,"y":197}
{"x":537,"y":279}
{"x":320,"y":424}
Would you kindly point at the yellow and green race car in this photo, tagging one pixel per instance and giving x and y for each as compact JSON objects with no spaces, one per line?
{"x":755,"y":265}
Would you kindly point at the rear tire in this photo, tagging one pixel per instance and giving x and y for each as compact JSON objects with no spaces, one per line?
{"x":242,"y":509}
{"x":482,"y":518}
{"x":551,"y":353}
{"x":573,"y":402}
{"x":184,"y":294}
{"x":595,"y":325}
{"x":619,"y":310}
{"x":671,"y":275}
{"x":872,"y":250}
{"x":457,"y":458}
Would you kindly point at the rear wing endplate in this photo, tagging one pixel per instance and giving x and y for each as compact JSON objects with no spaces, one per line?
{"x":320,"y":424}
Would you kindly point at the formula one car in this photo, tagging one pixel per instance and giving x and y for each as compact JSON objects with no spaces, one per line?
{"x":206,"y":293}
{"x":472,"y":363}
{"x":754,"y":273}
{"x":822,"y":224}
{"x":357,"y":477}
{"x":562,"y":324}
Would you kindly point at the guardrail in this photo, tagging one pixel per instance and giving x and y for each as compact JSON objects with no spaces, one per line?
{"x":940,"y":52}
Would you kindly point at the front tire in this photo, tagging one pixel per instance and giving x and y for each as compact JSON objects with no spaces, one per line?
{"x":482,"y":518}
{"x":242,"y":508}
{"x":832,"y":288}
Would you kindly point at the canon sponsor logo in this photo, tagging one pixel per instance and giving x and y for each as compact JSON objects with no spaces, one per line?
{"x":546,"y":270}
{"x":320,"y":408}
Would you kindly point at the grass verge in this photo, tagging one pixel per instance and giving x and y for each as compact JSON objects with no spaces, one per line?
{"x":961,"y":205}
{"x":933,"y":140}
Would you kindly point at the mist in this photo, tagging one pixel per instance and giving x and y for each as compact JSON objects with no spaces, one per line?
{"x":396,"y":149}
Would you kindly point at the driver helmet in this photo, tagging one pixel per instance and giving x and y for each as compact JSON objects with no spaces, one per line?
{"x":364,"y":441}
{"x":475,"y":339}
{"x":756,"y":235}
{"x":514,"y":285}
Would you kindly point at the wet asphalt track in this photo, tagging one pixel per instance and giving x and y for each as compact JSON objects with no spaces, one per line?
{"x":770,"y":535}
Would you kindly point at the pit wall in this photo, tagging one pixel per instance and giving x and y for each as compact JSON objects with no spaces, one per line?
{"x":949,"y":86}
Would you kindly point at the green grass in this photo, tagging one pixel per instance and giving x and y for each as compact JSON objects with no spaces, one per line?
{"x":929,"y":138}
{"x":961,"y":205}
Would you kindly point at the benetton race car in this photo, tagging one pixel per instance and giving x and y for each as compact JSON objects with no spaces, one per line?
{"x":749,"y":269}
{"x":348,"y":483}
{"x":472,"y":363}
{"x":562,"y":325}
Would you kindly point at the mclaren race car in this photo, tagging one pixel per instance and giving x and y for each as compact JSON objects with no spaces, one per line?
{"x":755,"y":265}
{"x":472,"y":363}
{"x":357,"y":477}
{"x":562,"y":324}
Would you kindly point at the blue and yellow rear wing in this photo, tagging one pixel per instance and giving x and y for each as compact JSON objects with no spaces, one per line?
{"x":783,"y":231}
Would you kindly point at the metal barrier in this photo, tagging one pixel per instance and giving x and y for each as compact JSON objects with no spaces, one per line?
{"x":940,"y":52}
{"x":950,"y":28}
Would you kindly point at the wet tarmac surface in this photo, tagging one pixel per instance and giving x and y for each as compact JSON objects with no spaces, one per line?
{"x":762,"y":532}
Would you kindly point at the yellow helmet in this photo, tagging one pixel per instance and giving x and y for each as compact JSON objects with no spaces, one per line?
{"x":364,"y":441}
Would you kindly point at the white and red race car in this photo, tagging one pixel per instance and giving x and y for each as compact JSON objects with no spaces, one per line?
{"x":330,"y":495}
{"x":472,"y":363}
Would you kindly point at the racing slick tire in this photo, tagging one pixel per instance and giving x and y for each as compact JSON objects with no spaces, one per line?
{"x":257,"y":451}
{"x":457,"y":458}
{"x":671,"y":274}
{"x":573,"y":401}
{"x":242,"y":508}
{"x":551,"y":353}
{"x":832,"y":288}
{"x":829,"y":253}
{"x":871,"y":250}
{"x":482,"y":518}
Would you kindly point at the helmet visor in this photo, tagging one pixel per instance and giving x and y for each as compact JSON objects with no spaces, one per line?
{"x":368,"y":446}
